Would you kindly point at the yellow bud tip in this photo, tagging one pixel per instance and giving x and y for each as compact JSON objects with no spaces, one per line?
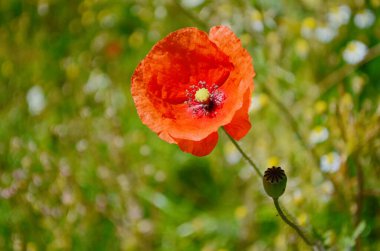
{"x":202,"y":95}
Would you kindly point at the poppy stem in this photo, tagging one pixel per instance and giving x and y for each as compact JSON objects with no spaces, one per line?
{"x":250,"y":161}
{"x":301,"y":233}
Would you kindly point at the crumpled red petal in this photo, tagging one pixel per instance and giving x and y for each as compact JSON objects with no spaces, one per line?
{"x":199,"y":148}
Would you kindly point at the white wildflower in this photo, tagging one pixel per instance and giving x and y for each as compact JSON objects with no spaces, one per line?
{"x":36,"y":100}
{"x":325,"y":34}
{"x":339,"y":16}
{"x":231,"y":154}
{"x":364,"y":19}
{"x":357,"y":84}
{"x":330,"y":162}
{"x":43,"y":9}
{"x":185,"y":229}
{"x":327,"y":189}
{"x":308,"y":27}
{"x":257,"y":21}
{"x":81,"y":145}
{"x":318,"y":135}
{"x":245,"y":173}
{"x":96,"y":82}
{"x":160,"y":12}
{"x":191,"y":3}
{"x":258,"y":101}
{"x":145,"y":226}
{"x":355,"y":52}
{"x":160,"y":176}
{"x":108,"y":21}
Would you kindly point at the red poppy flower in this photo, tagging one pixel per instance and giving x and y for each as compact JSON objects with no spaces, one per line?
{"x":190,"y":84}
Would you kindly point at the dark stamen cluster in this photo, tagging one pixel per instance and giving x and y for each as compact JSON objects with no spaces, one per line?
{"x":208,"y":108}
{"x":274,"y":174}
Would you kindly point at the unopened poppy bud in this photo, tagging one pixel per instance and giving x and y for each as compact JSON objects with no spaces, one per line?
{"x":274,"y":181}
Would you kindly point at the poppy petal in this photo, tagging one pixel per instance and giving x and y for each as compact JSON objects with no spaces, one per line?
{"x":240,"y":124}
{"x":160,"y":81}
{"x":199,"y":148}
{"x":165,"y":136}
{"x":241,"y":78}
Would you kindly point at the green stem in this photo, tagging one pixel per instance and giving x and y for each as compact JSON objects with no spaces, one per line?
{"x":359,"y":197}
{"x":250,"y":161}
{"x":276,"y":204}
{"x":291,"y":224}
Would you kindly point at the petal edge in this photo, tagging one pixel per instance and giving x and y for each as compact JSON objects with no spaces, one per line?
{"x":199,"y":148}
{"x":240,"y":124}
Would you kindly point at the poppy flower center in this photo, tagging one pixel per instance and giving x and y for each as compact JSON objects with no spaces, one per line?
{"x":202,"y":95}
{"x":204,"y":100}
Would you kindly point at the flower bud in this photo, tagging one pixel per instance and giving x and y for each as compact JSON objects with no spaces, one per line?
{"x":274,"y":182}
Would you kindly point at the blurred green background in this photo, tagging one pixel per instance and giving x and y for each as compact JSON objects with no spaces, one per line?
{"x":79,"y":171}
